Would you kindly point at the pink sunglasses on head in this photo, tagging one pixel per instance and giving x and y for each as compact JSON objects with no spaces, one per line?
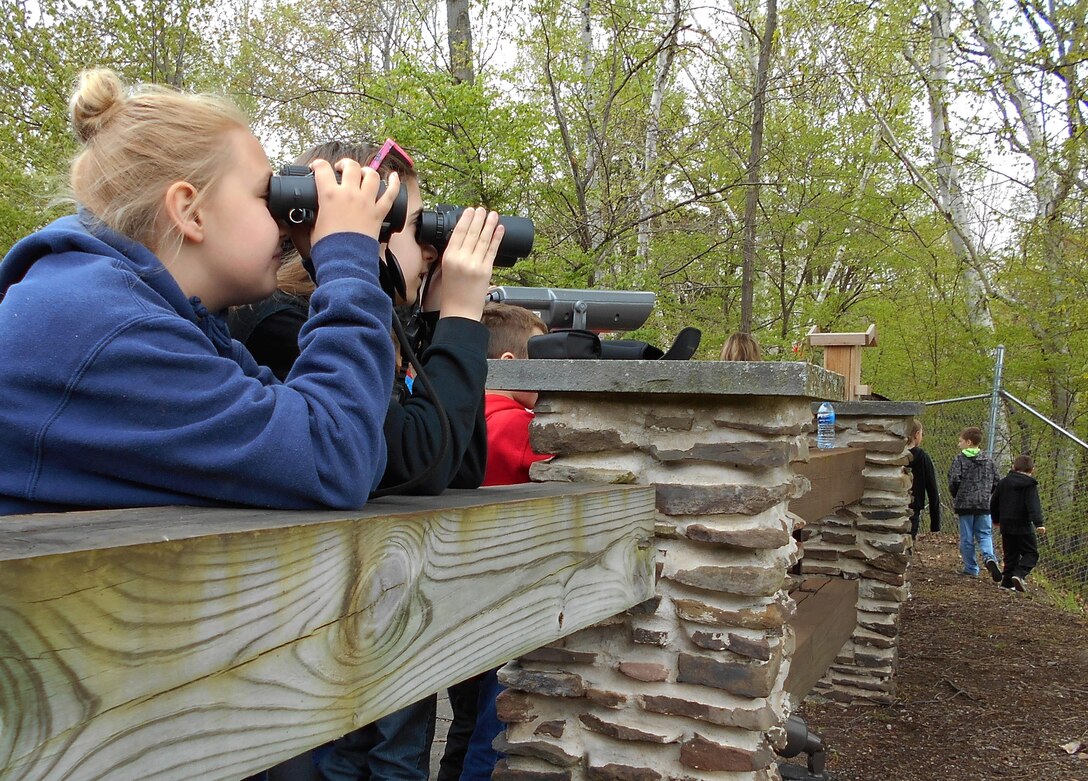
{"x":391,"y":147}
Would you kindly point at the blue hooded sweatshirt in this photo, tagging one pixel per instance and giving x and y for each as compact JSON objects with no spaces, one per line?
{"x":118,"y":391}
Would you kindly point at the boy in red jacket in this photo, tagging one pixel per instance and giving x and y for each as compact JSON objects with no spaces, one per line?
{"x":509,"y":413}
{"x":509,"y":457}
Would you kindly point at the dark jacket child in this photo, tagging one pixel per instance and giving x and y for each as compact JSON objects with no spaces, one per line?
{"x":509,"y":457}
{"x":121,"y":386}
{"x":925,"y":482}
{"x":397,"y":746}
{"x":972,"y":477}
{"x":1015,"y":506}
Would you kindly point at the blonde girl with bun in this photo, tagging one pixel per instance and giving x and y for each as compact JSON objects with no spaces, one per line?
{"x":121,"y":385}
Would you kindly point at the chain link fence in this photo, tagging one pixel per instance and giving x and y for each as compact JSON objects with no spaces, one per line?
{"x":1061,"y":467}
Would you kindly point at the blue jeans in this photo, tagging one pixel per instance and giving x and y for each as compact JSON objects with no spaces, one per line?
{"x":480,"y":758}
{"x":396,"y":747}
{"x":976,"y":528}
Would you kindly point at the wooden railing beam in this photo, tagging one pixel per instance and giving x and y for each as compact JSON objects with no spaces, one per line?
{"x":180,"y":643}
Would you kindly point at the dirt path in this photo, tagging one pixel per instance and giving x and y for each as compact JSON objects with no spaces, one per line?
{"x":992,"y":685}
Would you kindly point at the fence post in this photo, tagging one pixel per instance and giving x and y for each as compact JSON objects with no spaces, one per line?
{"x":995,"y":400}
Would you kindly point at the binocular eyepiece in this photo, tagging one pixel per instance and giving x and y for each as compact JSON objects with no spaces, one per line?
{"x":292,"y":198}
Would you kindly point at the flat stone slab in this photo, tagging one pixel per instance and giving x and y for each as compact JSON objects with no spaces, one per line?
{"x":707,"y":378}
{"x":877,"y":409}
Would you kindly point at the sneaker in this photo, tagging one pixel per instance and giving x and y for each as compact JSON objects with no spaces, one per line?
{"x":995,"y":571}
{"x":1018,"y":584}
{"x":967,"y":574}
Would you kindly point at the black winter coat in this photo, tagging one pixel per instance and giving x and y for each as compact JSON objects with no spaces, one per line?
{"x":1015,"y":504}
{"x":456,"y":363}
{"x":925,"y":484}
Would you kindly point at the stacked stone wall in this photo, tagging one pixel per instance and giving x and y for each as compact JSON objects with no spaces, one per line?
{"x":869,"y":540}
{"x":690,"y":684}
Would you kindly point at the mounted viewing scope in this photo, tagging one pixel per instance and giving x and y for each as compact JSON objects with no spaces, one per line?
{"x":591,"y":310}
{"x":292,"y":198}
{"x":436,"y":225}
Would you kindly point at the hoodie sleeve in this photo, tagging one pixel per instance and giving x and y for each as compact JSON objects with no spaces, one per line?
{"x":995,"y":505}
{"x":156,"y":415}
{"x":1034,"y":506}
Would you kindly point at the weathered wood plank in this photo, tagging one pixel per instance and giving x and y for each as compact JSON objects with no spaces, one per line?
{"x":824,"y":621}
{"x":177,"y":643}
{"x":837,"y":481}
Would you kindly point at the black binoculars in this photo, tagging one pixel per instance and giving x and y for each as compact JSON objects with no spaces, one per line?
{"x":292,"y":198}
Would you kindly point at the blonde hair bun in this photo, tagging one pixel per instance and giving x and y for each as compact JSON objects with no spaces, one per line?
{"x":98,"y":97}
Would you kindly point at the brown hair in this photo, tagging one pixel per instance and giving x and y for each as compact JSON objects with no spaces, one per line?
{"x":1023,"y":463}
{"x":741,"y":347}
{"x":914,"y":429}
{"x":138,"y":142}
{"x":292,"y":276}
{"x":972,"y":434}
{"x":510,"y":328}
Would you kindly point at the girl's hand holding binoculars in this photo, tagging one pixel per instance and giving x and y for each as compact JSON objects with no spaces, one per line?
{"x":351,"y":205}
{"x":467,"y":261}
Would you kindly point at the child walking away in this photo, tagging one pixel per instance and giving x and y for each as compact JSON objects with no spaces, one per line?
{"x":121,"y":386}
{"x":925,"y":482}
{"x":971,"y":480}
{"x":1015,"y":506}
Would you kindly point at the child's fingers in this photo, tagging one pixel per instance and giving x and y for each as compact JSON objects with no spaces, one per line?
{"x":493,"y":245}
{"x":392,"y":189}
{"x":351,"y":173}
{"x":467,"y":230}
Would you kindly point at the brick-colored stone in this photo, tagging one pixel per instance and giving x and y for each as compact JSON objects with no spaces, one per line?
{"x":514,"y":707}
{"x":759,"y":719}
{"x":553,"y":728}
{"x":562,"y":655}
{"x":549,"y":684}
{"x":702,"y":754}
{"x":551,"y":752}
{"x":891,"y":578}
{"x":614,"y":772}
{"x":749,"y":580}
{"x":644,"y":671}
{"x":771,"y":616}
{"x":710,"y":499}
{"x":624,"y":732}
{"x":643,"y":636}
{"x":609,"y":699}
{"x":759,"y":538}
{"x":726,"y":641}
{"x":744,"y":678}
{"x":503,"y":772}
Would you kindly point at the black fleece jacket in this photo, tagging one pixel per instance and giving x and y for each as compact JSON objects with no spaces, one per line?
{"x":1015,"y":504}
{"x":456,"y":363}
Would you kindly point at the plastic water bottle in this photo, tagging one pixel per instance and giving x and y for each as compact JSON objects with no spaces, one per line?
{"x":825,"y":426}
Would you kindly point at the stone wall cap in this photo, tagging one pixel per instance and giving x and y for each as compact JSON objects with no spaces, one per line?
{"x":869,"y":409}
{"x":707,"y":378}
